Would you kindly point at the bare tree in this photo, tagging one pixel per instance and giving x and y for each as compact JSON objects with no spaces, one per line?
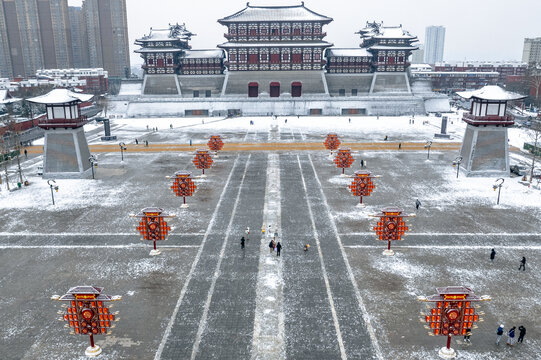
{"x":534,"y":134}
{"x":533,"y":80}
{"x":103,"y":102}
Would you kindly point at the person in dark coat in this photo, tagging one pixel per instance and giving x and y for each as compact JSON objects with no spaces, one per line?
{"x":136,"y":141}
{"x":399,"y":146}
{"x":522,"y":332}
{"x":492,"y":255}
{"x":278,"y":248}
{"x":522,"y":264}
{"x":417,"y":204}
{"x":242,"y":242}
{"x":499,"y":334}
{"x":362,"y":163}
{"x":25,"y":154}
{"x":511,"y":336}
{"x":467,"y":336}
{"x":271,"y":246}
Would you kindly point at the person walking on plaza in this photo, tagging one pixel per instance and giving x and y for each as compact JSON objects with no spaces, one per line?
{"x":25,"y":154}
{"x":242,"y":242}
{"x":522,"y":332}
{"x":511,"y":336}
{"x":278,"y":248}
{"x":136,"y":141}
{"x":399,"y":146}
{"x":146,"y":143}
{"x":362,"y":163}
{"x":492,"y":255}
{"x":417,"y":204}
{"x":271,"y":246}
{"x":247,"y":232}
{"x":522,"y":264}
{"x":467,"y":336}
{"x":499,"y":334}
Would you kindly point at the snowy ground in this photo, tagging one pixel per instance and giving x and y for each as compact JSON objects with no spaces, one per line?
{"x":295,"y":129}
{"x":341,"y":299}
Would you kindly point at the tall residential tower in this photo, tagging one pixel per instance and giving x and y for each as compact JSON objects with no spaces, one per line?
{"x":434,"y":44}
{"x":34,"y":34}
{"x":531,"y":53}
{"x":107,"y":29}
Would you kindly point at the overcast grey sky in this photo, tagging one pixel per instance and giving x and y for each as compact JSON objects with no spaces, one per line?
{"x":475,"y":29}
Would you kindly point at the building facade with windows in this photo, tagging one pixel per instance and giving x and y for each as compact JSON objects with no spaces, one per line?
{"x":106,"y":25}
{"x":279,"y":53}
{"x":34,"y":34}
{"x":531,"y":53}
{"x":434,"y":44}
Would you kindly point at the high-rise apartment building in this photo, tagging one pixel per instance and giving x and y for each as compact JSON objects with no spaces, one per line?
{"x":107,"y":30}
{"x":531,"y":53}
{"x":34,"y":34}
{"x":79,"y":38}
{"x":434,"y":44}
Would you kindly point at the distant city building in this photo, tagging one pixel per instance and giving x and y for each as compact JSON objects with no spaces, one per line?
{"x":531,"y":54}
{"x":434,"y":44}
{"x":107,"y":30}
{"x":459,"y":76}
{"x":79,"y":38}
{"x":93,"y":81}
{"x":34,"y":34}
{"x":508,"y":70}
{"x":418,"y":56}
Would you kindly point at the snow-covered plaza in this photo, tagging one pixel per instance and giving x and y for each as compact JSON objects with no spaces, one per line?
{"x":204,"y":297}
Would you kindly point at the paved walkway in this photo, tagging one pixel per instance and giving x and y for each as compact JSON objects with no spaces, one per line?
{"x":267,"y":146}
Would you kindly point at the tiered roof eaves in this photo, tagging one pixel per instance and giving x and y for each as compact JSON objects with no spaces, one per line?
{"x":298,"y":13}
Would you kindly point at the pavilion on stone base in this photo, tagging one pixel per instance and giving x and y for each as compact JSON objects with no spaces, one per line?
{"x":66,"y":152}
{"x":485,"y":148}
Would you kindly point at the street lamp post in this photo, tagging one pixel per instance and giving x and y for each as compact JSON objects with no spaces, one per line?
{"x":52,"y":186}
{"x":93,"y":160}
{"x":122,"y":149}
{"x":456,"y":163}
{"x":498,"y":185}
{"x":427,"y":146}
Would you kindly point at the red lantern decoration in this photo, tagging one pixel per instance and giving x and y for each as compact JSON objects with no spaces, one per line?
{"x":153,"y":226}
{"x":215,"y":143}
{"x":183,"y":185}
{"x":86,"y":313}
{"x":331,"y":142}
{"x":453,"y":314}
{"x":362,"y":184}
{"x":391,"y":226}
{"x":202,"y":160}
{"x":343,"y":159}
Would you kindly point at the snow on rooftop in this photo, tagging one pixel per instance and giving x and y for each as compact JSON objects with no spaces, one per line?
{"x":60,"y":96}
{"x":352,"y":52}
{"x":130,"y":88}
{"x":198,"y":54}
{"x":394,"y":32}
{"x":491,"y":92}
{"x":275,"y":13}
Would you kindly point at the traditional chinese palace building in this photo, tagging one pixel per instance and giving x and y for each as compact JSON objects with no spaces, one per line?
{"x":276,"y":60}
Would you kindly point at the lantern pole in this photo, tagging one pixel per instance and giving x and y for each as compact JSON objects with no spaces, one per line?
{"x":91,"y":340}
{"x":456,"y":163}
{"x":52,"y":187}
{"x":427,"y":146}
{"x":498,"y":185}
